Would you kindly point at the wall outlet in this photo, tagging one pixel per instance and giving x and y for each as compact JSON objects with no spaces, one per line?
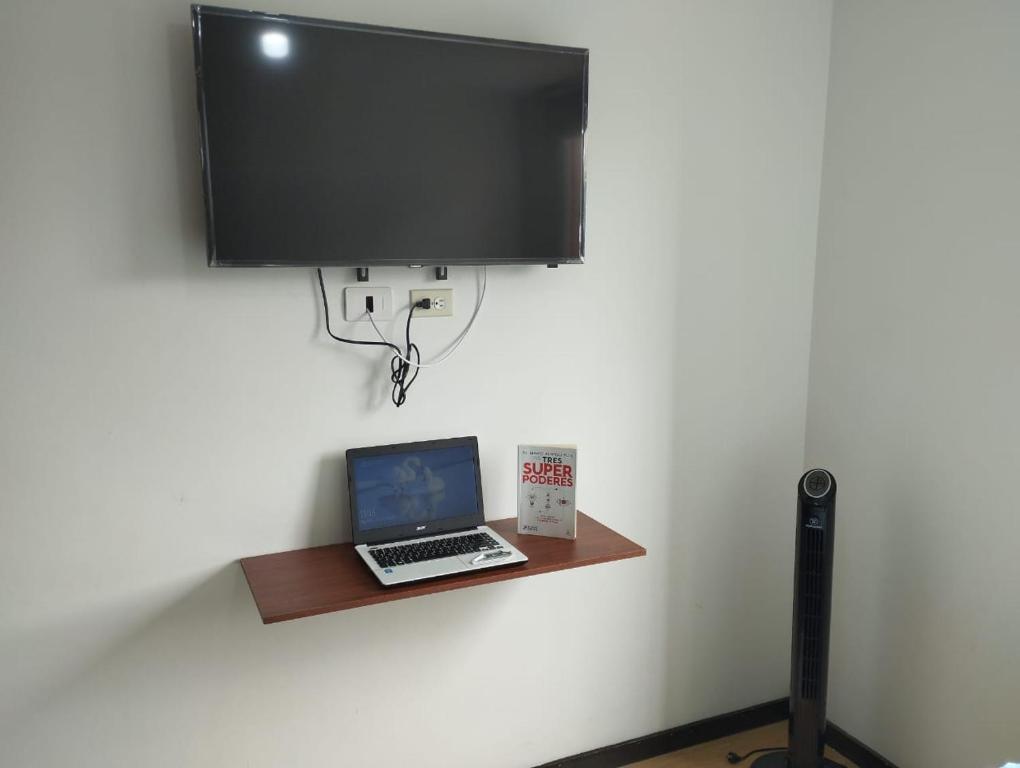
{"x":442,"y":302}
{"x":356,"y":302}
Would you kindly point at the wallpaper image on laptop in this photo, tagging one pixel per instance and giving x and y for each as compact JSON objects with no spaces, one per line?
{"x":405,"y":488}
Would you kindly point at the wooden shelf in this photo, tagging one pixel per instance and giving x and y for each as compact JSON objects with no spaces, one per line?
{"x":306,"y":582}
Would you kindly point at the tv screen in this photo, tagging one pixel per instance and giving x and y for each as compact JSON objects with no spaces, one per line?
{"x":328,"y":143}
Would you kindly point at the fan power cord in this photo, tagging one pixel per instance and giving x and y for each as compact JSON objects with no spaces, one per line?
{"x":734,"y":758}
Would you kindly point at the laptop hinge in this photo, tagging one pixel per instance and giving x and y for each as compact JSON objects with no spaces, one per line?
{"x":424,"y":535}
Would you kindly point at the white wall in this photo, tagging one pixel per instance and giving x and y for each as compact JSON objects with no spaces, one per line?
{"x":915,"y":375}
{"x":160,"y":420}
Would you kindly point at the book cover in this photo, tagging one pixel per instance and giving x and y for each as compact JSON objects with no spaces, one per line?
{"x":546,"y":490}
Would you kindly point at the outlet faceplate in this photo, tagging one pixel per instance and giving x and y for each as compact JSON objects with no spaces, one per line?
{"x":442,"y":302}
{"x":355,"y":298}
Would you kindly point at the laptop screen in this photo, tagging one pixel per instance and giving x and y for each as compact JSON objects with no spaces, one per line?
{"x":415,"y":489}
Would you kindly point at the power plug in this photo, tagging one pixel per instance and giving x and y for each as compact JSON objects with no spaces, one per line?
{"x":439,"y":302}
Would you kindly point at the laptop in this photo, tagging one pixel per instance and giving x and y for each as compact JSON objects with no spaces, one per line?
{"x":416,"y":511}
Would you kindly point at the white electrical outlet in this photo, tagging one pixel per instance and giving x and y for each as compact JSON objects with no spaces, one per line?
{"x":441,"y":299}
{"x":356,"y":304}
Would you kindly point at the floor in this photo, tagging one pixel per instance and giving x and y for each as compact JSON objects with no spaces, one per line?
{"x":712,"y":754}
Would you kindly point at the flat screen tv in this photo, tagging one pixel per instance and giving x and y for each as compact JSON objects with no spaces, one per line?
{"x":334,"y":144}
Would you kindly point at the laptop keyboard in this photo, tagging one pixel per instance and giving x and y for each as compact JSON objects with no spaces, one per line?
{"x":432,"y":549}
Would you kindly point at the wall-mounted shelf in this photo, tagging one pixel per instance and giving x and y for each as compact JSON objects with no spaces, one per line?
{"x":306,"y":582}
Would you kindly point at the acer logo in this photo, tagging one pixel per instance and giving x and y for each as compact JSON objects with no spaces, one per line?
{"x":420,"y":528}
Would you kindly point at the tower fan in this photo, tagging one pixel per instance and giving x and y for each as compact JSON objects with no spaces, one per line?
{"x":812,"y":607}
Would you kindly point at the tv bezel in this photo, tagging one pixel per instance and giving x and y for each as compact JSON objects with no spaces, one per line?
{"x":197,"y":12}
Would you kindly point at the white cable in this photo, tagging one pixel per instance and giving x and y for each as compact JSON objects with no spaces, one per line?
{"x":456,"y":342}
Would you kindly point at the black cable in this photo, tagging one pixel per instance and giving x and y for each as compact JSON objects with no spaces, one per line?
{"x":325,"y":309}
{"x":734,"y":758}
{"x":398,"y":368}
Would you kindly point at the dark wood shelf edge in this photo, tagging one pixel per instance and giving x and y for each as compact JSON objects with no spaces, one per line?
{"x":309,"y":582}
{"x":441,"y":584}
